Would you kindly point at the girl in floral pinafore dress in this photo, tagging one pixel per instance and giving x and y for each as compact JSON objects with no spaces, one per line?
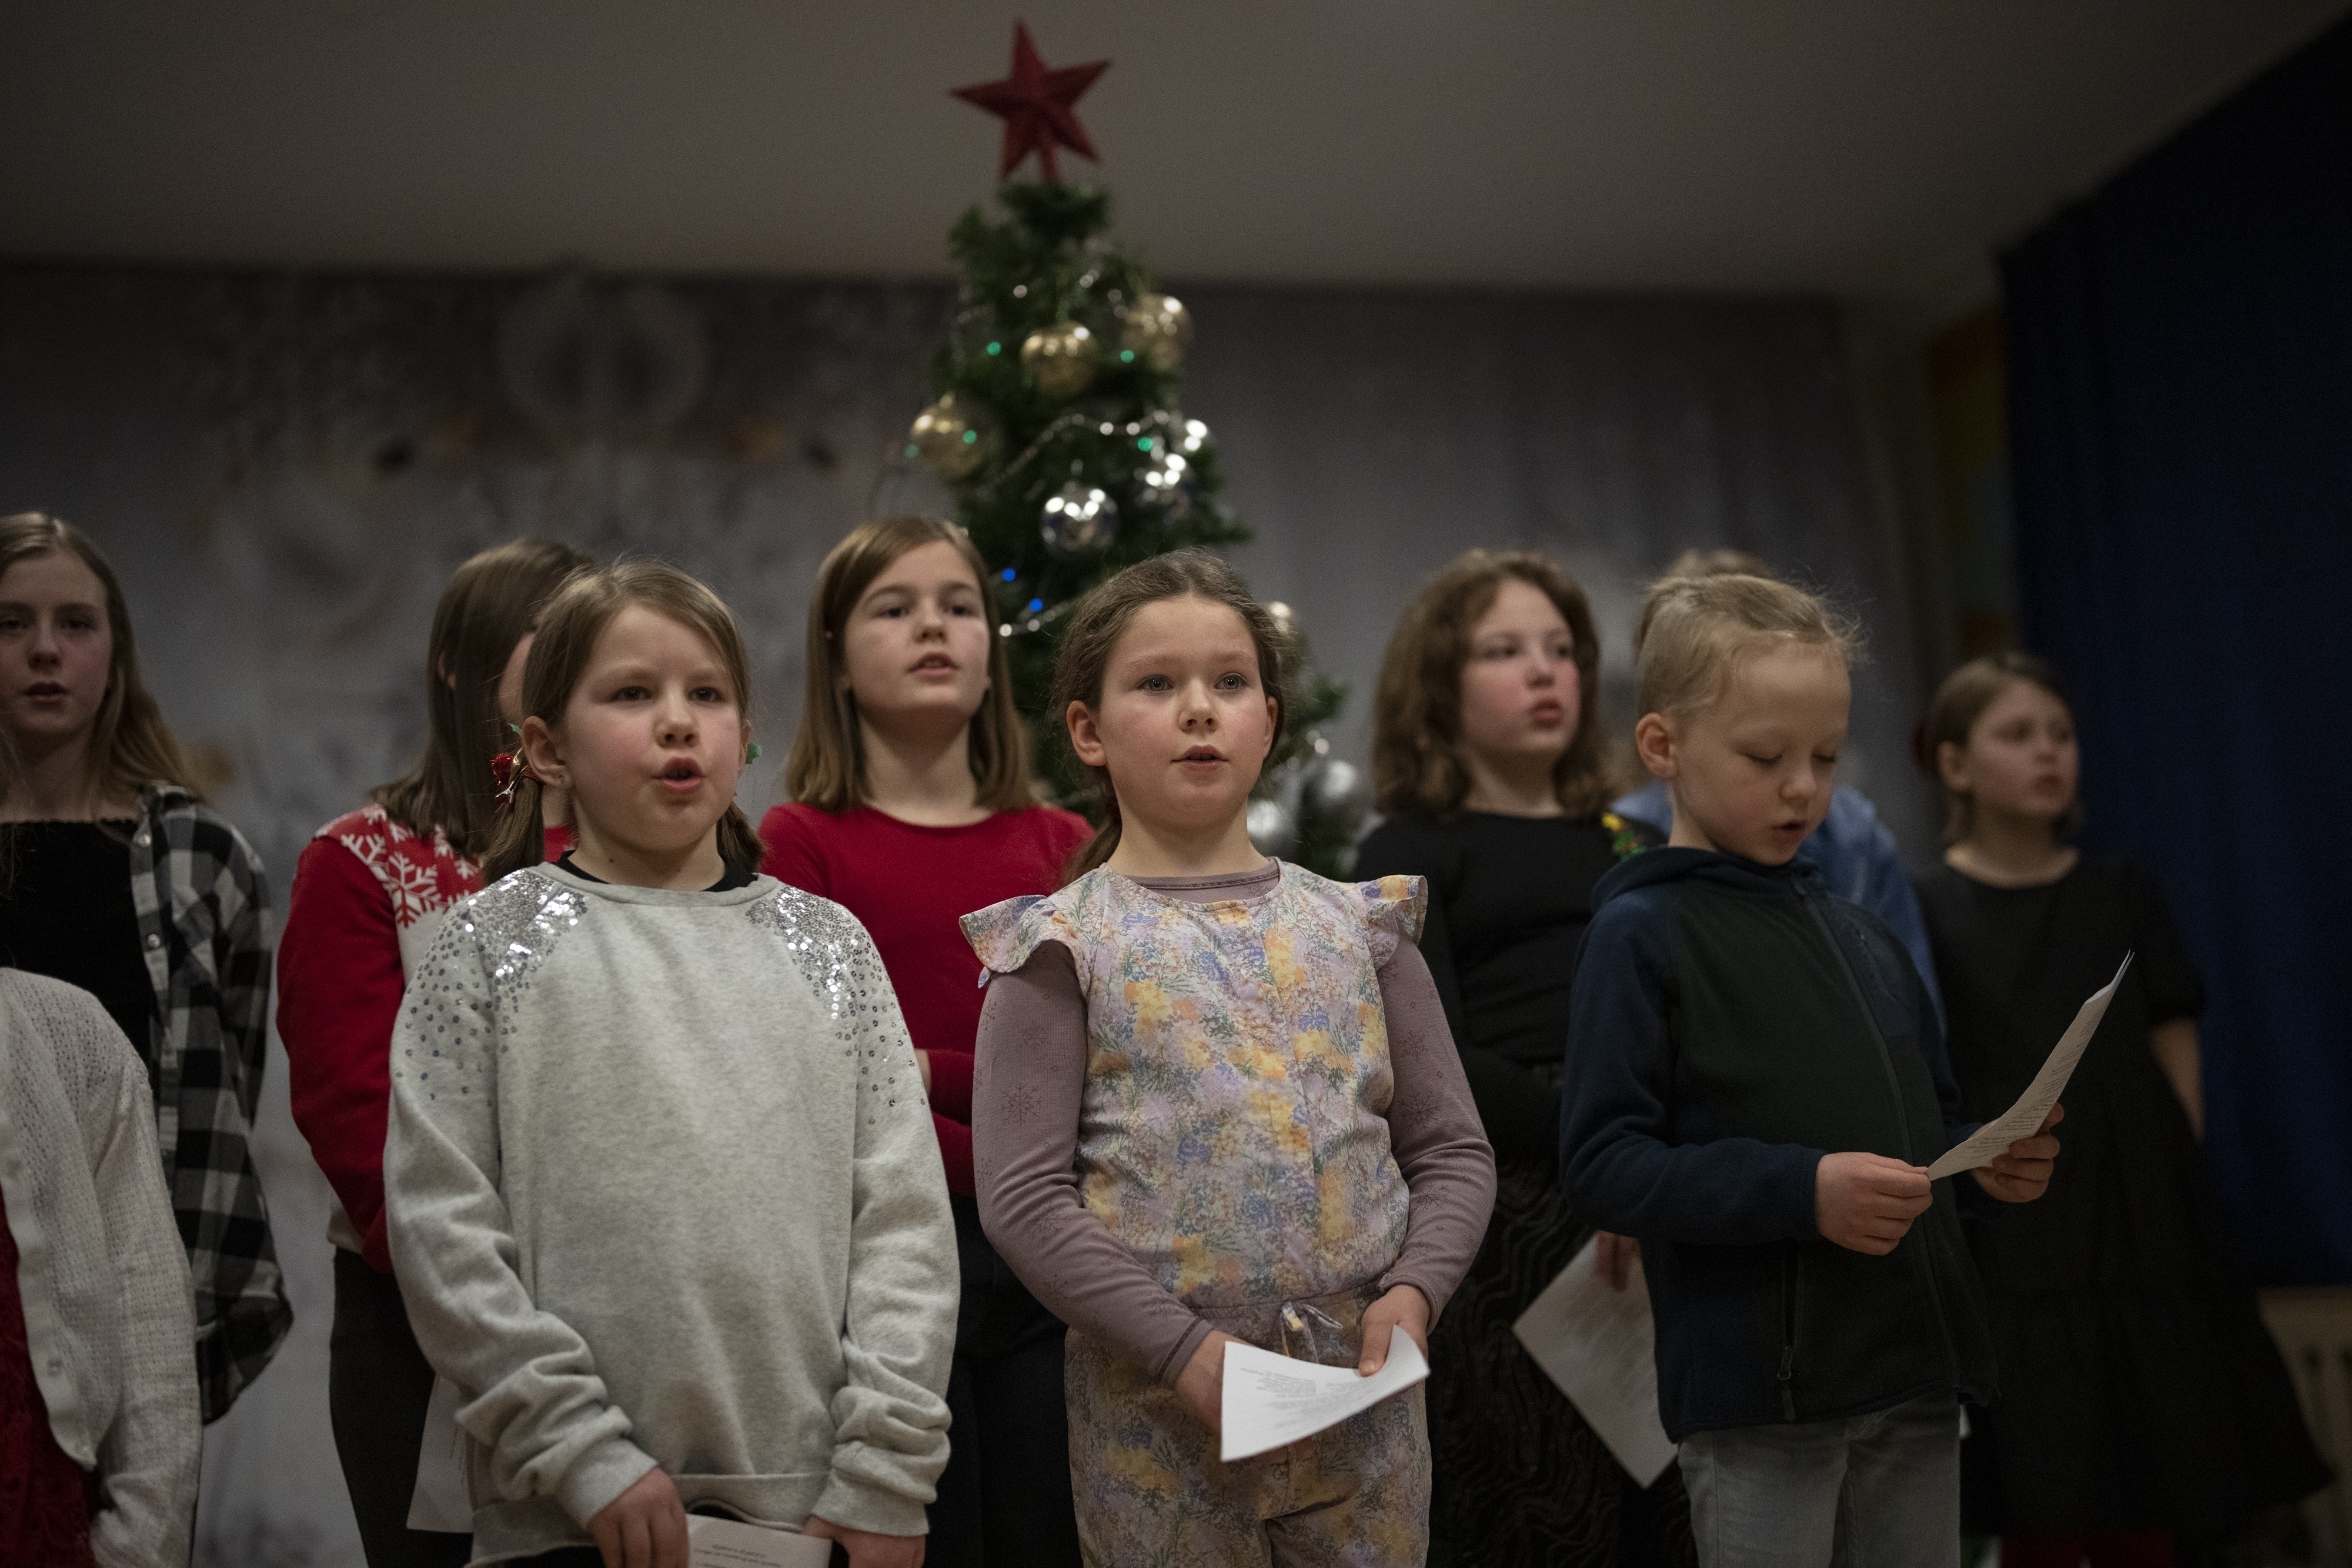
{"x":1217,"y":1100}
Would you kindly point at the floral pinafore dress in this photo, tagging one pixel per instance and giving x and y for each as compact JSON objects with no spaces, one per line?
{"x":1232,"y":1135}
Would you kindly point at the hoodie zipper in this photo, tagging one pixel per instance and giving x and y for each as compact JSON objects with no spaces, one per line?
{"x":1902,"y":1117}
{"x":1790,"y":1263}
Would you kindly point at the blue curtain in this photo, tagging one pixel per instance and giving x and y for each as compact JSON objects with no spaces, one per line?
{"x":2180,"y":403}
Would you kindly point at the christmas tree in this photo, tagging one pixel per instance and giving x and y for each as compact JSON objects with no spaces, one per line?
{"x":1059,"y":429}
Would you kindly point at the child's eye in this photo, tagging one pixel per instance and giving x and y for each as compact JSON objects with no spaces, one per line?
{"x":1826,"y":758}
{"x":708,"y":695}
{"x":631,"y":694}
{"x":1762,"y":761}
{"x":1232,"y":681}
{"x":1153,"y":684}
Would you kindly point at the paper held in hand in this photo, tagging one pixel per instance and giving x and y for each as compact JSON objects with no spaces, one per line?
{"x":2023,"y":1119}
{"x":725,"y":1543}
{"x":440,"y":1501}
{"x":1597,"y":1343}
{"x":1270,"y":1399}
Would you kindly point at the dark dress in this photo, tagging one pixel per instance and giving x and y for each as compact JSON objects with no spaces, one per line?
{"x":1519,"y":1478}
{"x":65,"y":912}
{"x":2140,"y":1389}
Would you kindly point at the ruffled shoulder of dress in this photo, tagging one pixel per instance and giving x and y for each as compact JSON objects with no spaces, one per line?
{"x":1396,"y":906}
{"x":1005,"y":935}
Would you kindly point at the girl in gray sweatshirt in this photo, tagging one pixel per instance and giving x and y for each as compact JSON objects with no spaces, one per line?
{"x":662,"y":1193}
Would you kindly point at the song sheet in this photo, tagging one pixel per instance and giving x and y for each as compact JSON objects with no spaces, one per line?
{"x":1597,"y":1343}
{"x":1271,"y":1399}
{"x":727,"y":1543}
{"x":440,"y":1501}
{"x":2023,"y":1119}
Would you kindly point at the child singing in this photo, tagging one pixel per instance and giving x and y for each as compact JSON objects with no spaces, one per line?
{"x":1216,"y":1093}
{"x":911,"y":804}
{"x":1754,"y":1086}
{"x":663,"y":1196}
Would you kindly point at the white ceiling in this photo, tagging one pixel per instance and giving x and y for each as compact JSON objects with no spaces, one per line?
{"x":1848,"y":146}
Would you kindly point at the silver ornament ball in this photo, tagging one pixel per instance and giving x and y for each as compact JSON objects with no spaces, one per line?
{"x":1332,"y":796}
{"x":1273,"y":830}
{"x":1081,"y":520}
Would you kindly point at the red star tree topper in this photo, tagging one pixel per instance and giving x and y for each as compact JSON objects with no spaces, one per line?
{"x":1037,"y":106}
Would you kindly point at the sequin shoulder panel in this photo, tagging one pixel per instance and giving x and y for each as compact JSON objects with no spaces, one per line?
{"x":837,"y":957}
{"x":487,"y":956}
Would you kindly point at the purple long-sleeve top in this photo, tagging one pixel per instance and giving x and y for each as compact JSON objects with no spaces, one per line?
{"x":1030,"y":1083}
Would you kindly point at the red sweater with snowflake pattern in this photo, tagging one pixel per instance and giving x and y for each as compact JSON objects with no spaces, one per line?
{"x":369,"y":897}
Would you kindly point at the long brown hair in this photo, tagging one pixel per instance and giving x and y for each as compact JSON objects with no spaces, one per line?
{"x":568,"y":625}
{"x":1102,"y":617}
{"x":827,"y":765}
{"x":130,"y":747}
{"x":1952,"y":716}
{"x":1417,"y":764}
{"x":483,"y":613}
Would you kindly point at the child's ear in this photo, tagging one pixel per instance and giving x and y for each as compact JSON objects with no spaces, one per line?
{"x":1952,"y":766}
{"x":1086,"y":738}
{"x":1655,"y":743}
{"x":540,"y":748}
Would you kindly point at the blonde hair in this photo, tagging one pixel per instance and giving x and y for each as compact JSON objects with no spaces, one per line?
{"x":1696,"y":632}
{"x":1102,"y":617}
{"x":1417,"y":765}
{"x":130,"y":747}
{"x":569,"y":626}
{"x":826,"y":768}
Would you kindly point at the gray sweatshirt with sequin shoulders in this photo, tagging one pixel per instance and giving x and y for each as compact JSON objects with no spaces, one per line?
{"x":662,"y":1190}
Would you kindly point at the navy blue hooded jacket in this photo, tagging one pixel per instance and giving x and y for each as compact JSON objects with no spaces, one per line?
{"x":1730,"y":1024}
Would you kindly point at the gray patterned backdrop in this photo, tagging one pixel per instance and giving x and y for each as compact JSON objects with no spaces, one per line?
{"x":286,"y":467}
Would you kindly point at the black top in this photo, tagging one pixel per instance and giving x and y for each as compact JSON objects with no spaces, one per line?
{"x":1509,"y":898}
{"x":736,"y":875}
{"x":2139,"y":1389}
{"x":2017,"y":964}
{"x":66,"y":912}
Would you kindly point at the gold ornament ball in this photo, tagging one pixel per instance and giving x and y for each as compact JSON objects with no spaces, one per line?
{"x":947,"y":438}
{"x":1157,"y":330}
{"x":1060,"y":359}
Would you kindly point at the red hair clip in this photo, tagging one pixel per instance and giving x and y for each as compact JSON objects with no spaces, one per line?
{"x":510,"y":768}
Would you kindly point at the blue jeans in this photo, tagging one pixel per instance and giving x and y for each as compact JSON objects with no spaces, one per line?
{"x":1880,"y":1490}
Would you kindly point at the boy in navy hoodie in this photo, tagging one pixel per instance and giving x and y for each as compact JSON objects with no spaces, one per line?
{"x":1756,"y":1083}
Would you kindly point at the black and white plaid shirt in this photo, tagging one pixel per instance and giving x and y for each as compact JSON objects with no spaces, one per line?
{"x":203,"y":923}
